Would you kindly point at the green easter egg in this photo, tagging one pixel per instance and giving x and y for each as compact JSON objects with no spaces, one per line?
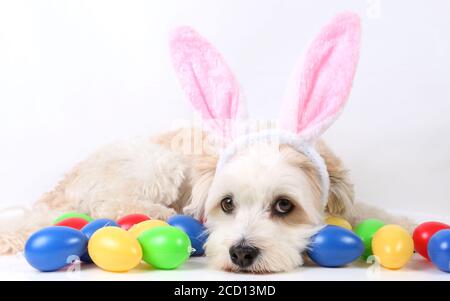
{"x":366,"y":230}
{"x":165,"y":247}
{"x":72,"y":214}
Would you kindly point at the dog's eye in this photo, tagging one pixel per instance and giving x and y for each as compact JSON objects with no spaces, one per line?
{"x":282,"y":207}
{"x":227,"y":204}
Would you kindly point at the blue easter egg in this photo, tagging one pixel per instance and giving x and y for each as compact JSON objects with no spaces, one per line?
{"x":335,"y":246}
{"x":52,"y":248}
{"x":194,"y":229}
{"x":439,"y":250}
{"x":93,"y":226}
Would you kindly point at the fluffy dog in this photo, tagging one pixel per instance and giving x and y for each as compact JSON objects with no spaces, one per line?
{"x":261,"y":201}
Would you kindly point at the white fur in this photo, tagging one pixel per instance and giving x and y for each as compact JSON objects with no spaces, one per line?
{"x":135,"y":171}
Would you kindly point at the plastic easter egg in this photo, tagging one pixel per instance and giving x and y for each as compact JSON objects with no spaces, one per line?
{"x":71,"y":215}
{"x":90,"y":229}
{"x":194,"y":229}
{"x":366,"y":230}
{"x":137,"y":229}
{"x":114,"y":249}
{"x":165,"y":247}
{"x":439,"y":250}
{"x":338,"y":221}
{"x":422,"y":235}
{"x":52,"y":248}
{"x":334,"y":246}
{"x":73,"y":222}
{"x":393,"y":246}
{"x":128,"y":221}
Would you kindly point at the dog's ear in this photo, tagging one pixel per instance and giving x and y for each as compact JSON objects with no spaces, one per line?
{"x":207,"y":81}
{"x":202,"y":175}
{"x":321,"y":84}
{"x":341,"y":195}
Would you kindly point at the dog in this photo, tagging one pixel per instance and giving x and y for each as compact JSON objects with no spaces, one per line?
{"x":261,"y":202}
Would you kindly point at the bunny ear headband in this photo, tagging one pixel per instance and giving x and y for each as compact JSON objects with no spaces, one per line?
{"x":316,"y":93}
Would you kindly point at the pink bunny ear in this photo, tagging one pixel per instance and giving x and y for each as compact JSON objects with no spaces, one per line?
{"x":206,"y":79}
{"x":320,"y":87}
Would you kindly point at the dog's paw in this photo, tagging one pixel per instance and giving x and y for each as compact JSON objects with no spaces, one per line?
{"x":160,"y":212}
{"x":9,"y":244}
{"x":13,"y":242}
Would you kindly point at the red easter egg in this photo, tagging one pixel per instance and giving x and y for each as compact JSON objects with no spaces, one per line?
{"x":127,"y":221}
{"x":422,"y":235}
{"x":73,"y":222}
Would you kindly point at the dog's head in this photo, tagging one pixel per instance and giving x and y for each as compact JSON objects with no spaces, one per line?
{"x":261,"y":214}
{"x":264,"y":201}
{"x":263,"y":207}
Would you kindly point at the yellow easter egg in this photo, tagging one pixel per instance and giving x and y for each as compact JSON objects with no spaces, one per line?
{"x":114,"y":249}
{"x":393,"y":246}
{"x":137,"y":229}
{"x":337,"y":221}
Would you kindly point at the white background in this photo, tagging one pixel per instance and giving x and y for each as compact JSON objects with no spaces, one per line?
{"x":77,"y":74}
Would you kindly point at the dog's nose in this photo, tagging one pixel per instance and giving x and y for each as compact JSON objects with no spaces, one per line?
{"x":242,"y":255}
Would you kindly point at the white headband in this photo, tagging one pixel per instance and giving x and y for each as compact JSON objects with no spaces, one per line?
{"x":282,"y":137}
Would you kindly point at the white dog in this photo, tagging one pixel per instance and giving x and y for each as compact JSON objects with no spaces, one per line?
{"x":262,"y":192}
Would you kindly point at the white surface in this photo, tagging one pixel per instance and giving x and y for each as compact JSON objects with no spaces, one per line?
{"x":16,"y":268}
{"x":77,"y":74}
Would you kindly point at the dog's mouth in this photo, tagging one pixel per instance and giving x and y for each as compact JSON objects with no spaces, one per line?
{"x":247,"y":270}
{"x":257,"y":267}
{"x":260,"y":266}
